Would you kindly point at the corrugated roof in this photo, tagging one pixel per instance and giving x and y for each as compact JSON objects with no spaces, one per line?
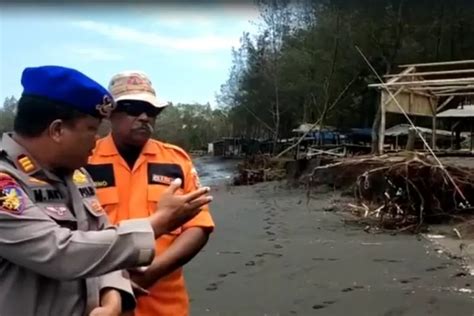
{"x":306,"y":127}
{"x":402,"y":129}
{"x":460,"y":111}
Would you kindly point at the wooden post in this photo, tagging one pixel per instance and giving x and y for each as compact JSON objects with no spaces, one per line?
{"x":411,"y":140}
{"x":433,"y":131}
{"x":383,"y":104}
{"x":452,"y":133}
{"x":470,"y":121}
{"x":382,"y":125}
{"x":297,"y":151}
{"x":452,"y":139}
{"x":458,"y":139}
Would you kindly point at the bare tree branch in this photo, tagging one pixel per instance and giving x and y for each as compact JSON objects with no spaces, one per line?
{"x":339,"y":97}
{"x":258,"y":119}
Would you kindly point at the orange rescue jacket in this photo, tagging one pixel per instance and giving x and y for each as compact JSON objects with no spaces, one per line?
{"x":126,"y":194}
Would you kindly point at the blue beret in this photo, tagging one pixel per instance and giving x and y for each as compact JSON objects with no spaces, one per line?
{"x":69,"y":88}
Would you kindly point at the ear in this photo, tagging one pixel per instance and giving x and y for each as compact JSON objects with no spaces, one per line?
{"x":56,"y":130}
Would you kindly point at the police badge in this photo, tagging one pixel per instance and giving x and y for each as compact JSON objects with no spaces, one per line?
{"x":106,"y":107}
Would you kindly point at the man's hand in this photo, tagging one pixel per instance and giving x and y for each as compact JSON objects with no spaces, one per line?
{"x":111,"y":303}
{"x":104,"y":311}
{"x":138,"y":279}
{"x":139,"y":289}
{"x":176,"y":210}
{"x":181,"y":251}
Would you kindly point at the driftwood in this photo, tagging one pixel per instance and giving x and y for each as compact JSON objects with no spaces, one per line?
{"x":401,"y":192}
{"x":258,"y":168}
{"x":336,"y":152}
{"x":343,"y":173}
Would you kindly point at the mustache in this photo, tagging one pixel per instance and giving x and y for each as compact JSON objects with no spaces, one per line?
{"x":146,"y":126}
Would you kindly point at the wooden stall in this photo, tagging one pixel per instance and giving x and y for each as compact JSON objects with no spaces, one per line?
{"x":424,"y":90}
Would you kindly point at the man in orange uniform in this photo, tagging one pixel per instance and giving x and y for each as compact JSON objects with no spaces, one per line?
{"x":131,"y":169}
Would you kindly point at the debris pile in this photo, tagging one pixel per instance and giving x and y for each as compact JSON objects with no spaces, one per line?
{"x":259,"y":168}
{"x":401,"y":192}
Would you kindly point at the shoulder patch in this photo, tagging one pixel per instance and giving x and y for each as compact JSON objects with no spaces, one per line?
{"x":195,"y":176}
{"x":12,"y":199}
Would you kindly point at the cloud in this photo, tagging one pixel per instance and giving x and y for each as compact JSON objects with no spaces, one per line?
{"x":93,"y":53}
{"x":199,"y":11}
{"x":184,"y":22}
{"x":202,"y":43}
{"x":210,"y":63}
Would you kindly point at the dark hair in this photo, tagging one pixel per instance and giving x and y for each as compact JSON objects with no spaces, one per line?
{"x":35,"y":114}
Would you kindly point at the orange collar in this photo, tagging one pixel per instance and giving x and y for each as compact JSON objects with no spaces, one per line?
{"x":108,"y":148}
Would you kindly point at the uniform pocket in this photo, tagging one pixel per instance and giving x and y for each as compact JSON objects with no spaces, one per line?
{"x":107,"y":196}
{"x":109,"y":200}
{"x":154,"y":193}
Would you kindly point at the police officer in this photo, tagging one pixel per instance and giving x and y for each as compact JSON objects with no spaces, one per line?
{"x":58,"y":255}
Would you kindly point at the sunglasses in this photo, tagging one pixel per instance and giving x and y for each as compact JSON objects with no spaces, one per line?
{"x":137,"y":108}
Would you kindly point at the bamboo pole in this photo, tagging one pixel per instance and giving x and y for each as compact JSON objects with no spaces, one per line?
{"x":420,"y":93}
{"x":383,"y":113}
{"x":444,"y":104}
{"x":444,"y":63}
{"x":432,"y":73}
{"x":339,"y":97}
{"x":388,"y":100}
{"x":424,"y":82}
{"x":454,"y":94}
{"x":445,"y":89}
{"x":433,"y":125}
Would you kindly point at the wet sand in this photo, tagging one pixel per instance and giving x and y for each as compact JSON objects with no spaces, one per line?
{"x":274,"y":254}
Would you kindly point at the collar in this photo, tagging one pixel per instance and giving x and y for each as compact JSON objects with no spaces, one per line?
{"x":107,"y":147}
{"x":22,"y":159}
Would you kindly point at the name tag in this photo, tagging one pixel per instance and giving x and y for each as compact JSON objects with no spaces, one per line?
{"x":163,"y":173}
{"x":102,"y":175}
{"x":156,"y":178}
{"x":46,"y":195}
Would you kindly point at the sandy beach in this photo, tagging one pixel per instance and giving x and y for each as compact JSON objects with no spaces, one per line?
{"x":275,"y":253}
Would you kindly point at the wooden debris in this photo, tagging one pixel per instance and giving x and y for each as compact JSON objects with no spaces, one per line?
{"x":401,"y":192}
{"x":259,"y":168}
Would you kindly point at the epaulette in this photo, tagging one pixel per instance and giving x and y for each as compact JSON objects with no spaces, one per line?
{"x":81,"y":177}
{"x":86,"y":173}
{"x":177,"y":149}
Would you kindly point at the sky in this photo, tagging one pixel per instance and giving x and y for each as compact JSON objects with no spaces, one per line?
{"x":185,"y":49}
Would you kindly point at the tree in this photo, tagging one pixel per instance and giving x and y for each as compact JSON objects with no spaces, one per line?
{"x":302,"y":66}
{"x":7,"y":114}
{"x":191,"y":126}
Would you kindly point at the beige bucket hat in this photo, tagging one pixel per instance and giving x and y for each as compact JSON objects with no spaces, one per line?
{"x":134,"y":85}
